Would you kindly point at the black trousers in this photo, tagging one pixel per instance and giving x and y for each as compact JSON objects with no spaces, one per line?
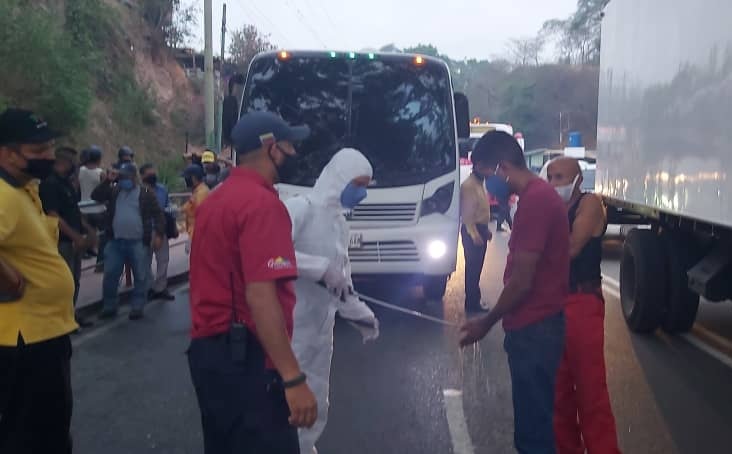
{"x":474,"y":259}
{"x":503,"y":215}
{"x":35,"y":398}
{"x":243,"y":406}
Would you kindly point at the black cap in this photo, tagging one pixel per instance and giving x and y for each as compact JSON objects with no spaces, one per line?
{"x":23,"y":126}
{"x":125,"y":151}
{"x":255,"y":128}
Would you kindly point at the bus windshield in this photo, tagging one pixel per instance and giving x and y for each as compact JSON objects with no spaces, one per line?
{"x":395,"y":112}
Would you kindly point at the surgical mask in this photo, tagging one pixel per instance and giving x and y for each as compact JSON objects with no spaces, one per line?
{"x":152,"y":180}
{"x":126,"y":185}
{"x":352,"y":195}
{"x":566,"y":191}
{"x":38,"y":168}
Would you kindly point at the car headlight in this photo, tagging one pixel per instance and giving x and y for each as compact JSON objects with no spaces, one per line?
{"x":437,"y":249}
{"x":440,"y":201}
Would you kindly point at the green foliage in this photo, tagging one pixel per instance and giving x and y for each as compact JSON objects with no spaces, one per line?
{"x":133,"y":104}
{"x":169,"y":172}
{"x":57,"y":70}
{"x":579,"y":34}
{"x":42,"y":68}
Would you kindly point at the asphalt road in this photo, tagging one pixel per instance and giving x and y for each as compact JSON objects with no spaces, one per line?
{"x":411,"y":391}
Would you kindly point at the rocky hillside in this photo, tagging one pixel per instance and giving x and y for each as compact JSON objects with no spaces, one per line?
{"x":96,"y":71}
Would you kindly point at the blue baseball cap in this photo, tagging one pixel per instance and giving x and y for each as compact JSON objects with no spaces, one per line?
{"x":254,"y":129}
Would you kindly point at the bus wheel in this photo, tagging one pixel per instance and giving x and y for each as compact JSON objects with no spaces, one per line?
{"x":682,"y":303}
{"x":643,"y":280}
{"x":434,"y":287}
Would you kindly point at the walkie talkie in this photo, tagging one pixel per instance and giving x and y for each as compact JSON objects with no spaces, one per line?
{"x":238,"y":332}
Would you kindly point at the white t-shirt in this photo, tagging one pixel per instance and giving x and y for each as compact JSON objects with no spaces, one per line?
{"x":89,"y":179}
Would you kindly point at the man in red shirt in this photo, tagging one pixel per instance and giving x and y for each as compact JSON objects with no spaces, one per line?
{"x":251,"y":390}
{"x":531,"y":304}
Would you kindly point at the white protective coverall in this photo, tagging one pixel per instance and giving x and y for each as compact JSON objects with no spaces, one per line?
{"x":320,"y":235}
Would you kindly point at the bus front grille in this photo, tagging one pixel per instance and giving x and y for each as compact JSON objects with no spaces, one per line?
{"x":393,"y":212}
{"x":385,"y":252}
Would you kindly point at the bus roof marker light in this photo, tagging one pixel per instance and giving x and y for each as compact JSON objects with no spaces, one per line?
{"x":333,"y":54}
{"x":352,"y":55}
{"x":283,"y":55}
{"x":419,"y":60}
{"x":371,"y":56}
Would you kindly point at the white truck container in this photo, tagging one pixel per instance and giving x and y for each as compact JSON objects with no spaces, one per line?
{"x":664,"y":154}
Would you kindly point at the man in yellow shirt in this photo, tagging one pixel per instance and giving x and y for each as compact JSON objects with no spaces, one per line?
{"x":36,"y":297}
{"x":475,"y":211}
{"x":194,"y":177}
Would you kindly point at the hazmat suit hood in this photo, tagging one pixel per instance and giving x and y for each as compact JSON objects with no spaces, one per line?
{"x":345,"y":165}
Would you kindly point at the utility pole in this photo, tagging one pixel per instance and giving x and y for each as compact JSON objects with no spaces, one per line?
{"x":222,"y":89}
{"x":208,"y":79}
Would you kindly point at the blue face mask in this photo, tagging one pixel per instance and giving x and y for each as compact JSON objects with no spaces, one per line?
{"x":125,"y":185}
{"x":352,"y":195}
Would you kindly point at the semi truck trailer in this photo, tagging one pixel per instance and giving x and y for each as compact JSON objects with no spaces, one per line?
{"x":664,"y":154}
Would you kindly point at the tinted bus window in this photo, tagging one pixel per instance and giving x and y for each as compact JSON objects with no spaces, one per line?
{"x":399,"y":115}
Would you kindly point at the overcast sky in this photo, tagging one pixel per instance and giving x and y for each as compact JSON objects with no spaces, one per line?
{"x":458,"y":28}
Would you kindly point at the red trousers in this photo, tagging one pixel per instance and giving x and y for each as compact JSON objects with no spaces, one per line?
{"x":583,"y":418}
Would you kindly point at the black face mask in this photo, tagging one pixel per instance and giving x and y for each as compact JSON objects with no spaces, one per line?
{"x":189,"y":182}
{"x":38,"y":168}
{"x":288,"y":169}
{"x":152,"y":180}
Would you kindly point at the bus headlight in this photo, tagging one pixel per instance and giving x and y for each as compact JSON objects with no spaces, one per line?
{"x":437,"y":249}
{"x":439,"y":202}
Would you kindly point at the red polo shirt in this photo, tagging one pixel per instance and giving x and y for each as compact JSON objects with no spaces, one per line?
{"x":243,"y":235}
{"x":541,"y":226}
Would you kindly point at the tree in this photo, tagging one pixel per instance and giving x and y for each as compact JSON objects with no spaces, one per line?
{"x":526,"y":51}
{"x":247,"y":42}
{"x":579,"y":34}
{"x":172,"y":21}
{"x":184,"y":20}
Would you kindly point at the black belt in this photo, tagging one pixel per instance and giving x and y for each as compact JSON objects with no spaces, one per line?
{"x":593,"y":287}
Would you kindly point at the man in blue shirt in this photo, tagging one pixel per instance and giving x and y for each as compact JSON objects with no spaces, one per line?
{"x":498,"y":188}
{"x":159,"y":279}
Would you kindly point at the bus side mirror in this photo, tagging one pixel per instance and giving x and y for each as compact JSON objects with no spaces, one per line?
{"x":462,"y":115}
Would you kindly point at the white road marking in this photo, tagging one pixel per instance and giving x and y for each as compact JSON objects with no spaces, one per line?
{"x":688,"y":337}
{"x":709,"y":350}
{"x":461,"y":442}
{"x":611,"y":291}
{"x":609,"y":280}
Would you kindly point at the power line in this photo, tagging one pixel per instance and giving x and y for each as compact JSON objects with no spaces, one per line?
{"x":262,"y":18}
{"x":307,"y":25}
{"x":334,"y":26}
{"x":282,"y":34}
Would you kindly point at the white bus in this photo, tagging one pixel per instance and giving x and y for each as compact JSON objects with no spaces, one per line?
{"x":399,"y":110}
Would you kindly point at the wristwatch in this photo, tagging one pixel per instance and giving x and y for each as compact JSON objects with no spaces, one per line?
{"x":297,"y":381}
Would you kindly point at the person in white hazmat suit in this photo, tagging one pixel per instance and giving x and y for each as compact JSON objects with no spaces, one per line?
{"x":324,"y":288}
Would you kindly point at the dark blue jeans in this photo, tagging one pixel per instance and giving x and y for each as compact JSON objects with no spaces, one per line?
{"x":534,"y":353}
{"x":117,"y":252}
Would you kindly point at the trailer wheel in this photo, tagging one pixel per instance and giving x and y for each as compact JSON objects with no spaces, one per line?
{"x":643,"y":280}
{"x":682,"y":302}
{"x":434,"y":287}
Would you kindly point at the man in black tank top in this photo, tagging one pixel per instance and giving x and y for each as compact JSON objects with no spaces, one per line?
{"x":583,"y":418}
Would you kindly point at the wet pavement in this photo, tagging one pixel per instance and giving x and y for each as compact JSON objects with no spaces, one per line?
{"x":411,"y":391}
